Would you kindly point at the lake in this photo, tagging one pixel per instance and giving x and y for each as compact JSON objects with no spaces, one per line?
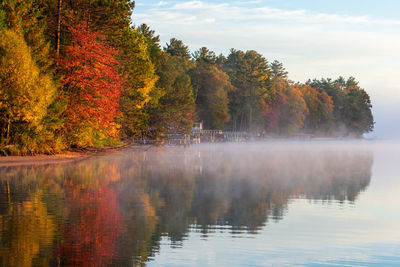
{"x":311,"y":203}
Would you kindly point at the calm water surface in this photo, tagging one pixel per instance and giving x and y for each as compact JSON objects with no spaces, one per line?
{"x":254,"y":204}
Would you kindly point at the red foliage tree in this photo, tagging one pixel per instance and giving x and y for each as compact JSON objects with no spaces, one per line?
{"x":273,"y":113}
{"x":91,"y":85}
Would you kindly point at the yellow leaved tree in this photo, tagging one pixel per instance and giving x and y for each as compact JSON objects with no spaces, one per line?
{"x":25,"y":92}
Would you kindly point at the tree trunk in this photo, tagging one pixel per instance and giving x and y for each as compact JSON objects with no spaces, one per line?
{"x":250,"y":118}
{"x":8,"y":128}
{"x":58,"y":29}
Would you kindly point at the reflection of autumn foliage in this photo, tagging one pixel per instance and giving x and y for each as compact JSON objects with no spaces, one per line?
{"x":162,"y":193}
{"x":112,"y":172}
{"x":91,"y":234}
{"x":26,"y":232}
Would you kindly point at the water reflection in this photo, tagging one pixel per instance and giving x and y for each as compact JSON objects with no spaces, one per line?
{"x":115,"y":210}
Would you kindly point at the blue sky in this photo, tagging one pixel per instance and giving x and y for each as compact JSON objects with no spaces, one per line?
{"x":313,"y":38}
{"x":382,"y":8}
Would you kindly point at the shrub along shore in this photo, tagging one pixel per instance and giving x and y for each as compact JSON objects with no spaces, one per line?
{"x":79,"y":74}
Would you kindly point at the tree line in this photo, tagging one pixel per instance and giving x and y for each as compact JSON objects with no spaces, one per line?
{"x":80,"y":73}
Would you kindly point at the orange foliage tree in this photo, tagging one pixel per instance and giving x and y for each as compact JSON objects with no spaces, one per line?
{"x":273,"y":111}
{"x":91,"y":86}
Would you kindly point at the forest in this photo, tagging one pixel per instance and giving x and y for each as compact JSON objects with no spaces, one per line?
{"x":76,"y":74}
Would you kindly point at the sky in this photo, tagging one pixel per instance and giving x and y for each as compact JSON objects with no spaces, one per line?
{"x":312,"y":38}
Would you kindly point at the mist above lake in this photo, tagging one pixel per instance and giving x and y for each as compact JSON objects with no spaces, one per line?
{"x":259,"y":204}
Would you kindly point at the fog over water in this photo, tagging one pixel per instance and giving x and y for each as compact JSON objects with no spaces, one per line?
{"x":307,"y":203}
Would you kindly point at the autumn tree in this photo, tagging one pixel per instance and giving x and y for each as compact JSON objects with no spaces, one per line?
{"x":352,"y":105}
{"x":335,"y":89}
{"x":211,"y":87}
{"x":320,"y":118}
{"x":112,"y":19}
{"x":293,"y":113}
{"x":26,"y":18}
{"x":91,"y":87}
{"x":272,"y":110}
{"x":25,"y":94}
{"x":287,"y":112}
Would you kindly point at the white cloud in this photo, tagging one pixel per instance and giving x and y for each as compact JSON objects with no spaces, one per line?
{"x":162,"y":3}
{"x":233,"y":12}
{"x":209,"y":20}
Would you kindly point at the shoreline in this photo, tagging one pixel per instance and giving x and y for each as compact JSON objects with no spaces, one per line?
{"x":62,"y":158}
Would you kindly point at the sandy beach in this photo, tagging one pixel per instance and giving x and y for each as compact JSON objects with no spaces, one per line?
{"x":65,"y":157}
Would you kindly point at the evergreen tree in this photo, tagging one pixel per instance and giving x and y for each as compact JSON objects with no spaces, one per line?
{"x":157,"y":56}
{"x":277,"y":70}
{"x":249,"y":73}
{"x":357,"y":110}
{"x":177,"y":48}
{"x":139,"y":71}
{"x":175,"y":110}
{"x":205,"y":55}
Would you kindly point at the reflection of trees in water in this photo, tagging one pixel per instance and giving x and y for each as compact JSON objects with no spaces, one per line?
{"x":94,"y":224}
{"x":27,"y":224}
{"x":231,"y":193}
{"x":66,"y":215}
{"x":115,"y":210}
{"x":189,"y":191}
{"x":27,"y":231}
